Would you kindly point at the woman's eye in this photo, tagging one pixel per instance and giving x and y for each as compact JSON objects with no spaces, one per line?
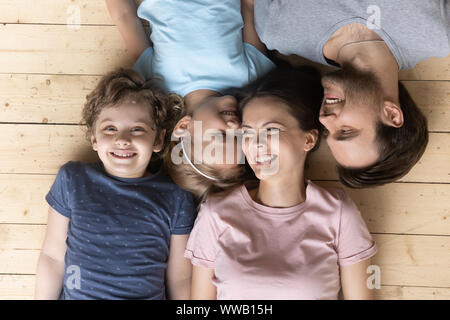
{"x":273,"y":131}
{"x":346,"y":131}
{"x":109,"y":128}
{"x":137,"y":129}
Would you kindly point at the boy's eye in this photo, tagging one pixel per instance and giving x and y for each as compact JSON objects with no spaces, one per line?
{"x":109,"y":128}
{"x":137,"y":129}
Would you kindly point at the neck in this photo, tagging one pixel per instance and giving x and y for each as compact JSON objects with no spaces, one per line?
{"x":193,"y":99}
{"x":281,"y":193}
{"x":377,"y":58}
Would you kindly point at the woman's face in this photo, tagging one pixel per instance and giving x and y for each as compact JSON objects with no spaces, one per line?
{"x":213,"y":127}
{"x":273,"y":143}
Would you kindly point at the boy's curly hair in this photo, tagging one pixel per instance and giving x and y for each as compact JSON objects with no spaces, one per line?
{"x":128,"y":85}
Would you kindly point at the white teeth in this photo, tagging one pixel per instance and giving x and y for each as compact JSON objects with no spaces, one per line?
{"x":332,"y":101}
{"x":263,"y":159}
{"x":124,"y":155}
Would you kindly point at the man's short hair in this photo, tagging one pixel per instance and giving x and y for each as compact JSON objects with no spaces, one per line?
{"x":400,"y":148}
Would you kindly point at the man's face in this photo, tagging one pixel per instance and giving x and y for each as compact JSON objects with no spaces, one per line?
{"x":350,"y":111}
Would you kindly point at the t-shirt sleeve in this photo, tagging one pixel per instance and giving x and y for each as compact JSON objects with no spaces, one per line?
{"x":258,"y":63}
{"x":58,"y":196}
{"x":202,"y":243}
{"x":183,"y":220}
{"x":144,"y":64}
{"x":354,"y":242}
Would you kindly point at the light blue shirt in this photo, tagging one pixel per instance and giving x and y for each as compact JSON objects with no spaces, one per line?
{"x":198,"y":44}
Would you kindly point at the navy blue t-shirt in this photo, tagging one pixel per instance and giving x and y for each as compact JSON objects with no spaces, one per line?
{"x":119,"y":231}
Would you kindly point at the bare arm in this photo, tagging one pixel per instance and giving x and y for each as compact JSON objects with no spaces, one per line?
{"x":354,"y":281}
{"x":179,"y":269}
{"x":50,"y":269}
{"x":124,"y":16}
{"x":249,"y":32}
{"x":202,"y":286}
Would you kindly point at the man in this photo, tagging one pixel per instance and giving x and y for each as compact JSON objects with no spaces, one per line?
{"x":374,"y":130}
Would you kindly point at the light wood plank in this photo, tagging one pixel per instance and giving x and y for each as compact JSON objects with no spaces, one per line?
{"x":22,"y":237}
{"x":17,"y":287}
{"x":433,"y":99}
{"x":404,"y":260}
{"x":413,"y":260}
{"x":431,"y":69}
{"x":60,"y":98}
{"x":23,"y":198}
{"x":55,"y":11}
{"x":434,"y":166}
{"x":44,"y":98}
{"x":406,"y":208}
{"x":42,"y":148}
{"x":21,"y":287}
{"x":411,"y":293}
{"x":18,"y":261}
{"x":56,"y":49}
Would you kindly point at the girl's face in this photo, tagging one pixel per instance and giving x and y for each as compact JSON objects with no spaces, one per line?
{"x":124,"y":138}
{"x":273,"y":143}
{"x":212,"y":128}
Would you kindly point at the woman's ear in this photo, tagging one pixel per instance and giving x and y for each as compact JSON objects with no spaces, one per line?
{"x":159,"y":141}
{"x":392,"y":115}
{"x":311,"y":139}
{"x":93,"y":142}
{"x":182,"y":126}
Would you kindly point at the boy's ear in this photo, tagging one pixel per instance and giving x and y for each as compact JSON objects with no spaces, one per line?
{"x":159,"y":141}
{"x":182,"y":126}
{"x":93,"y":142}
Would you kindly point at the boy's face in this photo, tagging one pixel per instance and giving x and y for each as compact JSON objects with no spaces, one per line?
{"x":124,"y":138}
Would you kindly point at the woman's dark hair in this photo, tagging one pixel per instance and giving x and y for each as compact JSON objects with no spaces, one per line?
{"x":400,"y":148}
{"x":299,"y":88}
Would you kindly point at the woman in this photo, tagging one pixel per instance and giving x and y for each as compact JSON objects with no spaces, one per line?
{"x":282,"y":237}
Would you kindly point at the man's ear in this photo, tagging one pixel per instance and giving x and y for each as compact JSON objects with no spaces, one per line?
{"x":392,"y":114}
{"x":311,"y":139}
{"x":182,"y":126}
{"x":94,"y":142}
{"x":159,"y":142}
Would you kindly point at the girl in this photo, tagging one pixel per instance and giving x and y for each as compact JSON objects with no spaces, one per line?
{"x":282,"y":237}
{"x":116,"y":230}
{"x":199,"y":48}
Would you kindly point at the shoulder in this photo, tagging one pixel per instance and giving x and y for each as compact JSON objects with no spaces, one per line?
{"x":223,"y":201}
{"x":327,"y":193}
{"x":334,"y":200}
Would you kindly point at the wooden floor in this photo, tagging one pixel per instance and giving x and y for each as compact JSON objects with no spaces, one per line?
{"x":49,"y":61}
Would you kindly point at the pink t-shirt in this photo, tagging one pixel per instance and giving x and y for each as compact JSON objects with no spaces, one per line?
{"x":258,"y":252}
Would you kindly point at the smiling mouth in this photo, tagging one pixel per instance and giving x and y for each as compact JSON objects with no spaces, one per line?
{"x":333,"y":100}
{"x":123,"y":155}
{"x":265,"y":159}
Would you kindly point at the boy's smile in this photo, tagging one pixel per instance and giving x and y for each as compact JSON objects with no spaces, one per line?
{"x":124,"y":139}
